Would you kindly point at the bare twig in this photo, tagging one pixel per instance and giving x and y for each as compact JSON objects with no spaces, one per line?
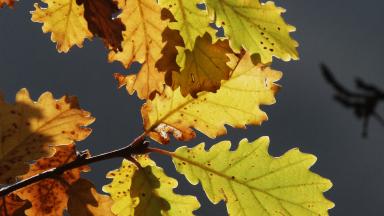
{"x":137,"y":146}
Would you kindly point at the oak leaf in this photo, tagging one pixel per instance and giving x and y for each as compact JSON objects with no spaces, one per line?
{"x":85,"y":201}
{"x":99,"y":15}
{"x":142,"y":43}
{"x":65,"y":19}
{"x":191,"y":21}
{"x":236,"y":103}
{"x":30,"y":130}
{"x":251,"y":182}
{"x":9,"y":3}
{"x":256,"y":27}
{"x":203,"y":68}
{"x":167,"y":62}
{"x":13,"y":205}
{"x":49,"y":196}
{"x":146,"y":191}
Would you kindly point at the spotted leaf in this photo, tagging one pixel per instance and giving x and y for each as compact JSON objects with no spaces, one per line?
{"x":146,"y":191}
{"x":236,"y":103}
{"x":251,"y":182}
{"x":49,"y":197}
{"x":256,"y":27}
{"x":30,"y":130}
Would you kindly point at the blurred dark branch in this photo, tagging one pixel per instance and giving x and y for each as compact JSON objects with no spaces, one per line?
{"x":364,"y":101}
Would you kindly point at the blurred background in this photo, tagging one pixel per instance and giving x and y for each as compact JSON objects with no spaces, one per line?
{"x":346,"y":35}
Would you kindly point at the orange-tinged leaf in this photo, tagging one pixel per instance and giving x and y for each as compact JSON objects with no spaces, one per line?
{"x":9,"y":3}
{"x":49,"y":196}
{"x":65,"y":19}
{"x":99,"y":15}
{"x":236,"y":103}
{"x":30,"y":130}
{"x":204,"y":67}
{"x":142,"y":43}
{"x":85,"y":201}
{"x":13,"y":205}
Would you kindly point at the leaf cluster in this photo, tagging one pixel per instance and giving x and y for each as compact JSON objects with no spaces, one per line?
{"x":203,"y":65}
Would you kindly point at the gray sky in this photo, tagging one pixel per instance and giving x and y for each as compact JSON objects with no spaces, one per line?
{"x":347,"y":35}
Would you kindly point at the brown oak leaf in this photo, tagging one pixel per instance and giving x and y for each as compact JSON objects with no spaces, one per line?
{"x":49,"y":197}
{"x":85,"y":201}
{"x":32,"y":129}
{"x":101,"y":22}
{"x":13,"y":205}
{"x":10,"y":3}
{"x":167,"y":62}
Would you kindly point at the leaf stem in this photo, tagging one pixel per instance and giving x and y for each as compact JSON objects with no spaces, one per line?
{"x":137,"y":146}
{"x":160,"y":151}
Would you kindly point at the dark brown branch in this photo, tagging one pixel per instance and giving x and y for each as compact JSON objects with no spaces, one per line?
{"x":137,"y":146}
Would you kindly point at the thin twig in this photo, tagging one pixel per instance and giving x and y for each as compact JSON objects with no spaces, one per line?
{"x":137,"y":146}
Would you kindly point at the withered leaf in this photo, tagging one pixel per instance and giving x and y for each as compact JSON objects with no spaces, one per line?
{"x":9,"y":3}
{"x":13,"y":205}
{"x":167,"y":62}
{"x":99,"y":15}
{"x":49,"y":196}
{"x":30,"y":130}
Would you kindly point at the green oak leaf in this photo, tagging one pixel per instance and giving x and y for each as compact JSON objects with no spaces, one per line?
{"x":252,"y":182}
{"x":256,"y":27}
{"x":146,"y":191}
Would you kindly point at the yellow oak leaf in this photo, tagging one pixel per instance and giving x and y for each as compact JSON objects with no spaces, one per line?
{"x":65,"y":19}
{"x":191,"y":21}
{"x":251,"y":182}
{"x":146,"y":191}
{"x":142,"y":43}
{"x":30,"y":130}
{"x":85,"y":201}
{"x":257,"y":27}
{"x":204,"y":67}
{"x":49,"y":196}
{"x":236,"y":104}
{"x":12,"y":205}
